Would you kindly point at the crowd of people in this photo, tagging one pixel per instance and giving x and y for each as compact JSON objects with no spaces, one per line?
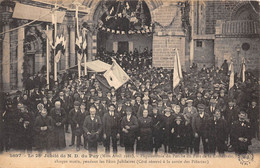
{"x":143,"y":115}
{"x":127,"y":60}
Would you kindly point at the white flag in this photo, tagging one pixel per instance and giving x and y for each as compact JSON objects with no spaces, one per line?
{"x":177,"y":73}
{"x":116,"y":76}
{"x":232,"y":75}
{"x":243,"y":70}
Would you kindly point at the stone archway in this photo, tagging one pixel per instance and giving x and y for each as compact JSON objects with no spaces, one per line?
{"x":152,"y":4}
{"x":93,"y":19}
{"x":244,"y":11}
{"x":34,"y":50}
{"x":168,"y":32}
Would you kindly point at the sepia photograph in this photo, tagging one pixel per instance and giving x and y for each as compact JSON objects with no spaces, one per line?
{"x":129,"y":83}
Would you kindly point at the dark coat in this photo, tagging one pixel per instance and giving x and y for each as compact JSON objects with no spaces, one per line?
{"x":167,"y":127}
{"x":111,"y":124}
{"x":241,"y":129}
{"x":145,"y":133}
{"x":178,"y":134}
{"x":92,"y":126}
{"x":157,"y":125}
{"x":78,"y":118}
{"x":59,"y":134}
{"x":217,"y":129}
{"x":199,"y":125}
{"x":43,"y":138}
{"x":230,"y":115}
{"x":133,"y":124}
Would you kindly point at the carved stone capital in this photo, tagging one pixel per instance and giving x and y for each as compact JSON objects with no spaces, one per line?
{"x":6,"y":18}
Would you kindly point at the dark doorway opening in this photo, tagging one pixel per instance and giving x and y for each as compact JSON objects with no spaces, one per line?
{"x":123,"y":46}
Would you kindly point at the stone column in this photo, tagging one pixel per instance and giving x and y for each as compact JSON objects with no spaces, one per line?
{"x":6,"y":59}
{"x":72,"y":45}
{"x":67,"y":47}
{"x":20,"y":54}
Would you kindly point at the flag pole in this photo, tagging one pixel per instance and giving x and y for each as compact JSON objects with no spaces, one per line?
{"x":85,"y":55}
{"x":55,"y":33}
{"x":47,"y":59}
{"x":79,"y":57}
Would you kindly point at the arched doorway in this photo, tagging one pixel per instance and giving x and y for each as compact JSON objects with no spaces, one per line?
{"x":34,"y":51}
{"x":124,"y":29}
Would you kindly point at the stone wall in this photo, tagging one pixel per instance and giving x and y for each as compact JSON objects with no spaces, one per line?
{"x":217,"y":10}
{"x":231,"y":47}
{"x":168,"y":35}
{"x":204,"y":54}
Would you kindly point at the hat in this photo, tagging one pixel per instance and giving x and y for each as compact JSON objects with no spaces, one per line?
{"x":189,"y":101}
{"x":111,"y":105}
{"x":103,"y":99}
{"x":222,"y":91}
{"x":242,"y":112}
{"x":83,"y":104}
{"x":169,"y":92}
{"x":213,"y":101}
{"x":137,"y":95}
{"x":201,"y":106}
{"x":76,"y":103}
{"x":128,"y":108}
{"x":164,"y":97}
{"x":178,"y":118}
{"x":92,"y":137}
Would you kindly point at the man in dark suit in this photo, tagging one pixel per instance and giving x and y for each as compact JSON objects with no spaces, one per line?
{"x":157,"y":129}
{"x":253,"y":116}
{"x":241,"y":134}
{"x":199,"y":126}
{"x":92,"y":127}
{"x":73,"y":112}
{"x":111,"y":128}
{"x":129,"y":126}
{"x":217,"y":133}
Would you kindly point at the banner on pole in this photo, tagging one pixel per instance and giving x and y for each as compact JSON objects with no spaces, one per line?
{"x":116,"y":76}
